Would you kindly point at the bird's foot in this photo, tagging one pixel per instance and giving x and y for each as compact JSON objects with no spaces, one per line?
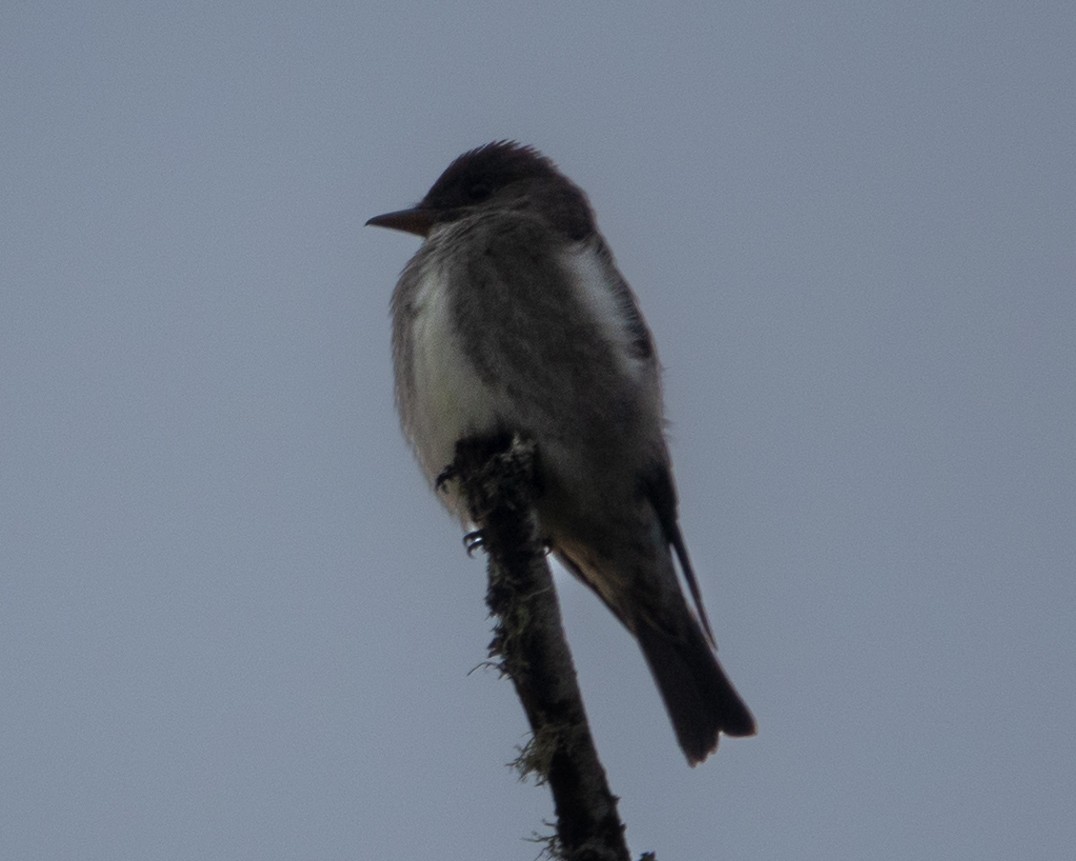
{"x":472,"y":541}
{"x":446,"y":475}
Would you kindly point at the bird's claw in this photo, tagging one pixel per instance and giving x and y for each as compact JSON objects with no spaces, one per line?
{"x":472,"y":541}
{"x":444,"y":477}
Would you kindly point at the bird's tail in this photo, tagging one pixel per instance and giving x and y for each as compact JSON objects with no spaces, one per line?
{"x":698,"y":695}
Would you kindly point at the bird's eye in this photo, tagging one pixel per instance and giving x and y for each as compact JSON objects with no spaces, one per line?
{"x":479,"y":190}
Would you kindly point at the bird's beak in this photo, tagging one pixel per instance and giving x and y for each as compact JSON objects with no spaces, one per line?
{"x":417,"y":220}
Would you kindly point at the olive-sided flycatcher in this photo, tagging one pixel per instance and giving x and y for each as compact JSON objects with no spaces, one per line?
{"x":513,"y":316}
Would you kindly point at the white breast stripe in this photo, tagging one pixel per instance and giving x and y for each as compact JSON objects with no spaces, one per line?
{"x":451,"y":401}
{"x":594,"y":277}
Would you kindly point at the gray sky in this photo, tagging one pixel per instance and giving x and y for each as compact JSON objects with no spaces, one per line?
{"x":234,"y":624}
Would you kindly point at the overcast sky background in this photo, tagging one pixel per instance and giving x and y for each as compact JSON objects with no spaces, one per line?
{"x":235,"y":625}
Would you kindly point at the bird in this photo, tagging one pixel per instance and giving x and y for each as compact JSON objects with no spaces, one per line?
{"x":513,"y":316}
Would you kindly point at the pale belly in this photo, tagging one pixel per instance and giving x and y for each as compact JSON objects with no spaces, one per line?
{"x":450,"y":400}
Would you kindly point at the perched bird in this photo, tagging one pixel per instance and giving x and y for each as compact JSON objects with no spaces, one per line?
{"x":513,"y":316}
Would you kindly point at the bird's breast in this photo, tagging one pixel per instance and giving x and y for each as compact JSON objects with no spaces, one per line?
{"x":446,"y":398}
